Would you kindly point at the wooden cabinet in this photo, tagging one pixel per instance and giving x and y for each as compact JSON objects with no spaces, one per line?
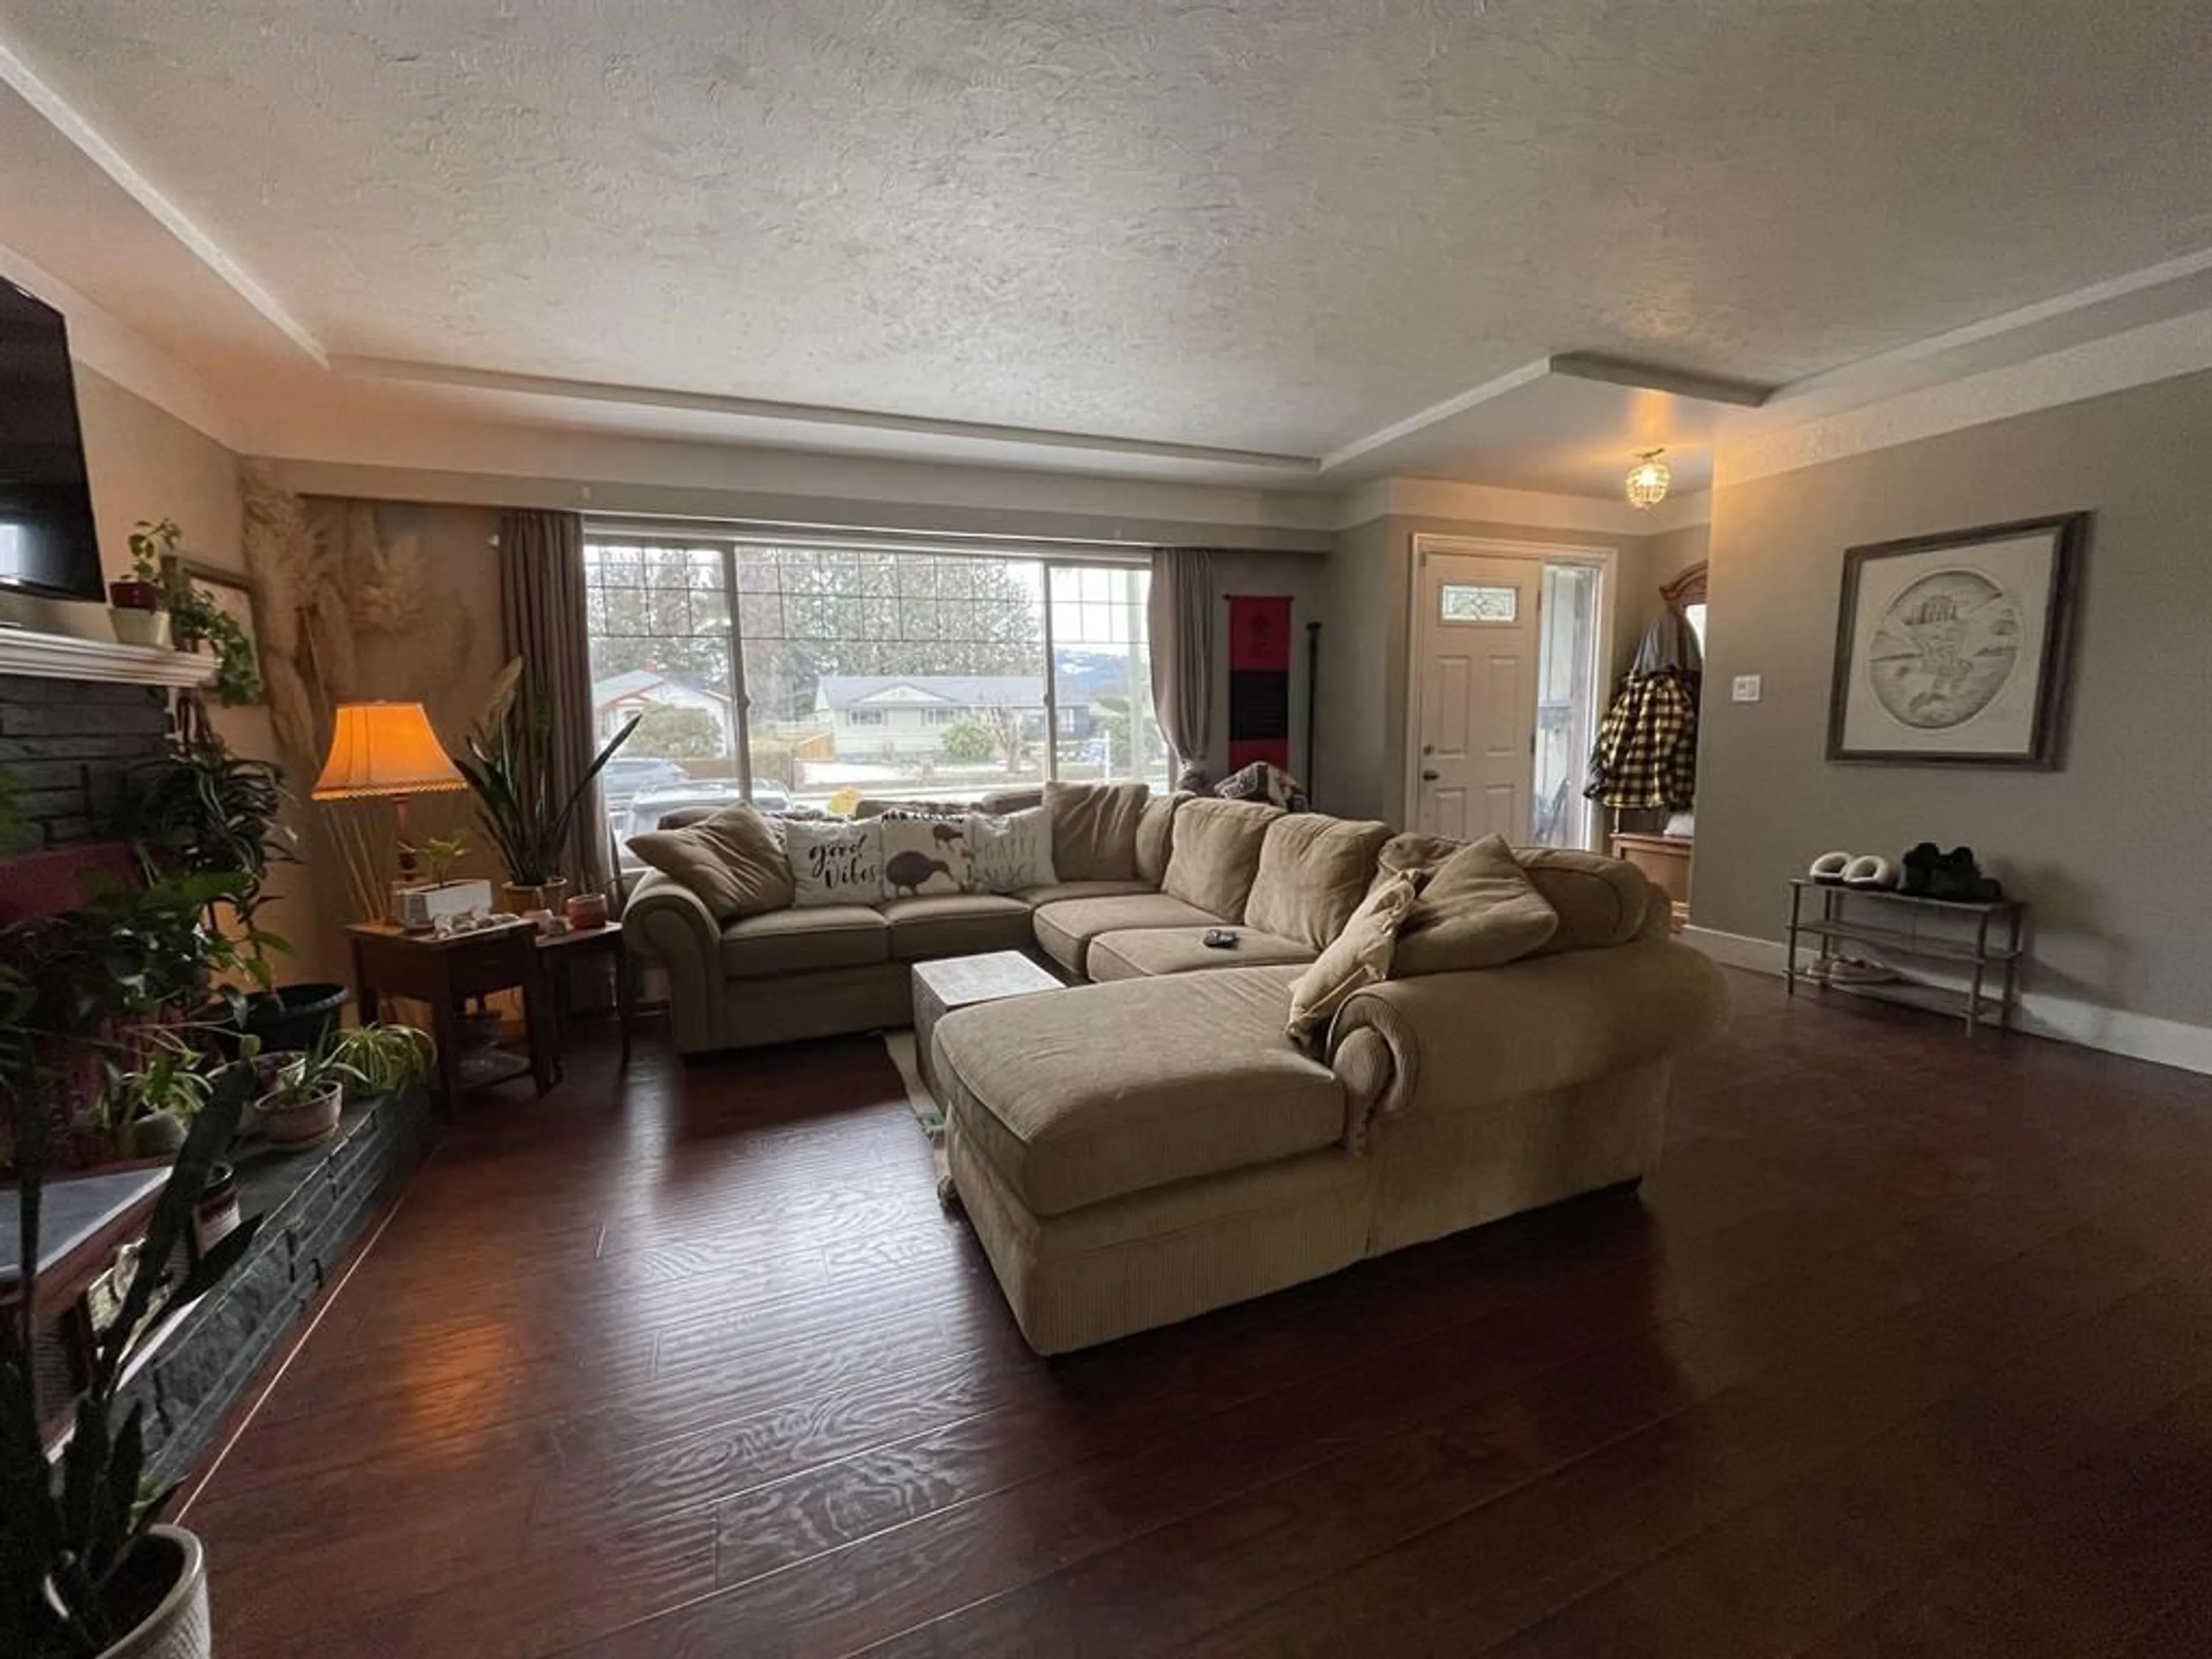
{"x":1665,"y":860}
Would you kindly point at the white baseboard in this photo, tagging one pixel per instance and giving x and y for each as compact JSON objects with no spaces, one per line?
{"x":2139,"y":1036}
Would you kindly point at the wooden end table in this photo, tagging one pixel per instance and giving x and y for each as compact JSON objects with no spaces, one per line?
{"x":951,"y":982}
{"x":559,"y":953}
{"x":445,"y":973}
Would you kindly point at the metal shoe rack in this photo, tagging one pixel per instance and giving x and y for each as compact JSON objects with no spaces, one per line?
{"x":1957,"y":935}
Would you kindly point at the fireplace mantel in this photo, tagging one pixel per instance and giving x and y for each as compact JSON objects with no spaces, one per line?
{"x":60,"y":657}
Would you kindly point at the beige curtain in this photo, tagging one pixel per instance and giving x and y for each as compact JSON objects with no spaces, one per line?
{"x":541,"y":602}
{"x":1180,"y":617}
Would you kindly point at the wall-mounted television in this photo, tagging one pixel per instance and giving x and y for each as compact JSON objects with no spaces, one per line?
{"x":47,"y":545}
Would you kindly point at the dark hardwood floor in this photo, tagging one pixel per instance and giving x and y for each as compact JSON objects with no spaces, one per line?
{"x":1907,"y":1349}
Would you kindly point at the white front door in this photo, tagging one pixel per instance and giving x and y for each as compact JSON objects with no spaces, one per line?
{"x":1477,"y":659}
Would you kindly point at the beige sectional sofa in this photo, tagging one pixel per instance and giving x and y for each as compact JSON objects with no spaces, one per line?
{"x":1151,"y":1145}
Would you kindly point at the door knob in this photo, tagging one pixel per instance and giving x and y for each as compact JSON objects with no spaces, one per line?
{"x":1430,"y":777}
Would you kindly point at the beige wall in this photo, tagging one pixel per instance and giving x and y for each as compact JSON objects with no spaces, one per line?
{"x":1366,"y":645}
{"x":146,"y":464}
{"x":2110,"y":849}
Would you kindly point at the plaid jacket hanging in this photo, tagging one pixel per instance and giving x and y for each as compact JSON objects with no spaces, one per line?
{"x":1646,"y":753}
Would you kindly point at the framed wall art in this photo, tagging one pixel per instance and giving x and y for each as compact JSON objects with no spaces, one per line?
{"x":1951,"y":650}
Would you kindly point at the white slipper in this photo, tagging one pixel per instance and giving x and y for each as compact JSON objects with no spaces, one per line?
{"x":1829,"y":867}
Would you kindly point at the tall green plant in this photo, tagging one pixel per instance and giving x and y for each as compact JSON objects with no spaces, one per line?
{"x":203,"y":810}
{"x":69,"y":1529}
{"x":510,"y":767}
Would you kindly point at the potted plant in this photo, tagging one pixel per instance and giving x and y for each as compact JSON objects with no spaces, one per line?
{"x":194,"y":619}
{"x":134,"y":602}
{"x":146,"y":1112}
{"x":384,"y":1059}
{"x":303,"y":1095}
{"x":86,"y":1570}
{"x":509,"y":767}
{"x":202,"y":809}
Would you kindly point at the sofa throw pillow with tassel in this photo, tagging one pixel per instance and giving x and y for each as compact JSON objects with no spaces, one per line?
{"x":1358,"y":956}
{"x":835,"y":862}
{"x":1008,"y":853}
{"x":924,"y":854}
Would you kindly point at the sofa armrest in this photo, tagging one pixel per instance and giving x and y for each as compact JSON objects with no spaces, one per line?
{"x":1451,"y":1042}
{"x":670,"y":924}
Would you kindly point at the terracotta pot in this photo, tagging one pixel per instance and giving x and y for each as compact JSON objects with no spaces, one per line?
{"x":587,"y":911}
{"x":523,"y":897}
{"x":173,"y":1572}
{"x":297,"y":1123}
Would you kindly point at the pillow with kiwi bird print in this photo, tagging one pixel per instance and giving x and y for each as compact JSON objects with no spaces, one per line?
{"x":924,"y":855}
{"x":834,"y":862}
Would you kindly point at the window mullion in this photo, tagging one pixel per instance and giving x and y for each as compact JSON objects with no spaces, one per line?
{"x":1051,"y":685}
{"x":740,"y":701}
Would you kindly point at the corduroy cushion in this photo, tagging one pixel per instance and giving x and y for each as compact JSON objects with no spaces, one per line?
{"x":1216,"y":853}
{"x":1477,"y":909}
{"x":1119,"y":1088}
{"x":733,"y":861}
{"x":955,"y":924}
{"x":1156,"y":835}
{"x":1150,"y":953}
{"x":803,"y":940}
{"x":1094,"y":829}
{"x":1313,"y":871}
{"x":1066,"y":929}
{"x":1359,"y":956}
{"x":1601,"y":902}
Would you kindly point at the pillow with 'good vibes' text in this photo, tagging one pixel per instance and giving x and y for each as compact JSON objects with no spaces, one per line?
{"x":835,"y":862}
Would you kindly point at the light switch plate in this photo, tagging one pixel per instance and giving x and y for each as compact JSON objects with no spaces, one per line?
{"x":1745,"y":688}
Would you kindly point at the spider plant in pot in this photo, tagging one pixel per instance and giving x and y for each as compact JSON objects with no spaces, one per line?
{"x":385,"y":1058}
{"x":86,"y":1570}
{"x":145,"y":1111}
{"x":511,"y":768}
{"x":303,"y":1094}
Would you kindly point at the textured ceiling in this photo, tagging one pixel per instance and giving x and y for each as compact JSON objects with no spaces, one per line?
{"x":1272,"y":226}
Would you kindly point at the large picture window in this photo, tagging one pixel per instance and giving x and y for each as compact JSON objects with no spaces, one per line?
{"x":795,"y":674}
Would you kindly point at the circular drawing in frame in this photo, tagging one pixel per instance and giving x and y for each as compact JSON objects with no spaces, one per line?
{"x":1944,"y":649}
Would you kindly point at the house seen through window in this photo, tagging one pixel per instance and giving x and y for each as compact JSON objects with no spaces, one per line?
{"x":792,"y":675}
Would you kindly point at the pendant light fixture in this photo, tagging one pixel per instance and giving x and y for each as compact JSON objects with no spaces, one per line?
{"x":1648,"y":479}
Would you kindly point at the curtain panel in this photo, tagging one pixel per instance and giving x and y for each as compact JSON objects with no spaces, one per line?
{"x":541,"y":588}
{"x":1180,"y":619}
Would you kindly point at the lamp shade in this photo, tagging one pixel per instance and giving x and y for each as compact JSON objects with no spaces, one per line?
{"x":385,"y":748}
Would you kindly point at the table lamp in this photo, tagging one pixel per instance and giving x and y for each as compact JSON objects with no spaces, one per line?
{"x":387,"y":751}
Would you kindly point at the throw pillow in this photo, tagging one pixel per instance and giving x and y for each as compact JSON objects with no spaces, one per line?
{"x":1477,"y":909}
{"x":1094,"y":829}
{"x":836,"y":862}
{"x":1217,"y":853}
{"x":1359,"y":956}
{"x":733,"y":860}
{"x":1007,"y":854}
{"x":1156,"y":836}
{"x":924,"y":854}
{"x":1601,"y":900}
{"x":1314,"y":870}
